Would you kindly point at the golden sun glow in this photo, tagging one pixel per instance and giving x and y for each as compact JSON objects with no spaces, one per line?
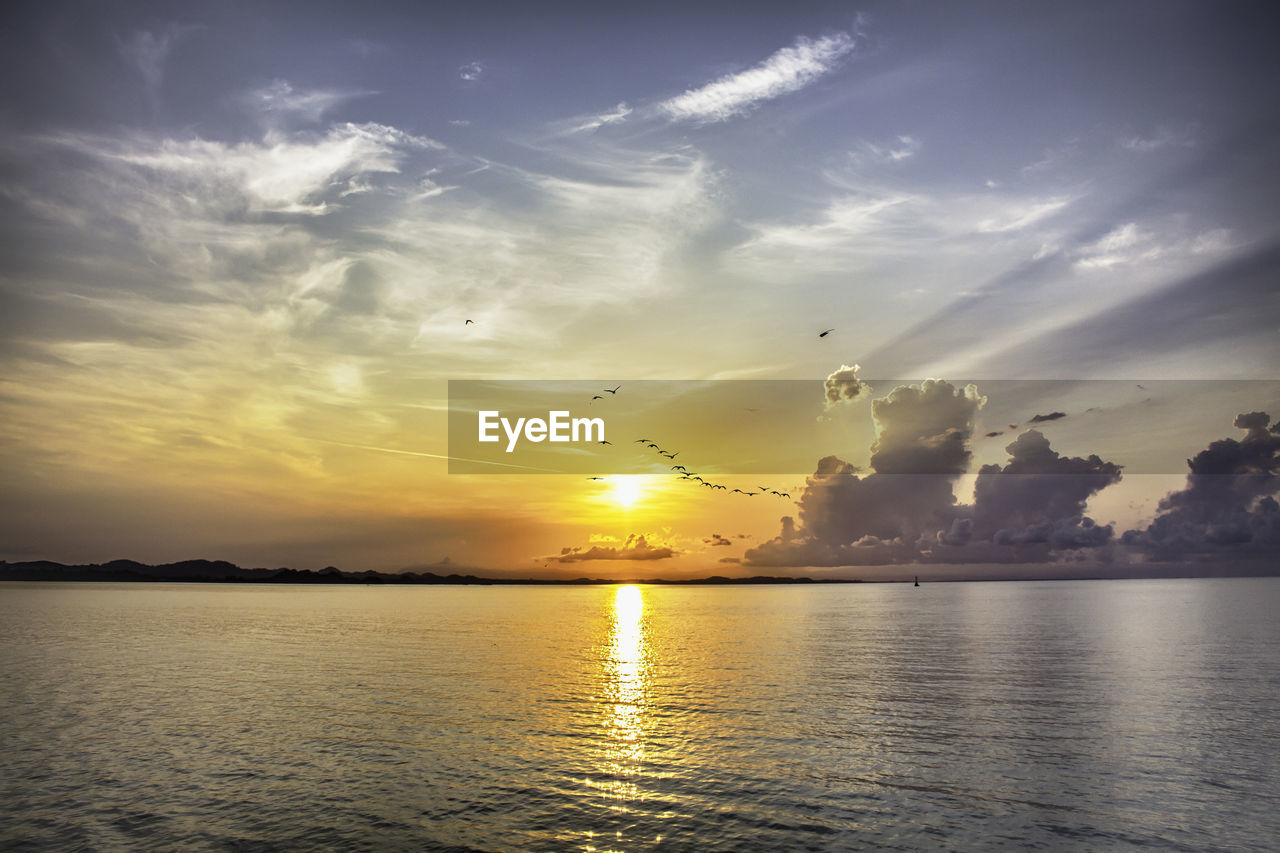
{"x":626,"y":490}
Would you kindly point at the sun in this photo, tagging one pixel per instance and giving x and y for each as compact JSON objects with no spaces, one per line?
{"x":626,"y":490}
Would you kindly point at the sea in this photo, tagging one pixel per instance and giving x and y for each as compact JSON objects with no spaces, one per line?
{"x":1073,"y":715}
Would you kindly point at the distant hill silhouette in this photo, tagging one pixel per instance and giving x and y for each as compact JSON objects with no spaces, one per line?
{"x":220,"y":571}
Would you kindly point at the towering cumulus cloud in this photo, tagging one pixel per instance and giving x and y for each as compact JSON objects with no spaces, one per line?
{"x":921,"y":447}
{"x":1228,"y":506}
{"x":1031,"y":509}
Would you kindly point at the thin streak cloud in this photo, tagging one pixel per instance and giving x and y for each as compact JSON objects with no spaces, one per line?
{"x":788,"y":70}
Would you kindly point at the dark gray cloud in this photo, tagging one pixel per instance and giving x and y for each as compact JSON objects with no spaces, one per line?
{"x":1029,"y":510}
{"x":1228,"y":506}
{"x":1052,"y":416}
{"x":920,"y":449}
{"x":1039,"y":497}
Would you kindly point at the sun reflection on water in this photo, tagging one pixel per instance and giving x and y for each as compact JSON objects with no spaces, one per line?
{"x":627,"y":675}
{"x":624,"y":685}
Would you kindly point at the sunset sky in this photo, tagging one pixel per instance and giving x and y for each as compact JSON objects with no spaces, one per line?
{"x":241,"y":243}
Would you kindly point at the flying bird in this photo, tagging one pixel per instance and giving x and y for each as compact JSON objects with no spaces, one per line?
{"x":651,"y":444}
{"x":824,"y":334}
{"x":468,"y":323}
{"x":679,"y":468}
{"x":596,"y":397}
{"x":613,"y":390}
{"x":595,"y":478}
{"x":603,"y":441}
{"x":669,"y":455}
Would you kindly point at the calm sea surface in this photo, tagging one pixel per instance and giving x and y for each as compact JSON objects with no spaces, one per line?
{"x":1075,"y":715}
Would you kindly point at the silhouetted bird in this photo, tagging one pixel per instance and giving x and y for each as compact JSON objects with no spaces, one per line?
{"x":595,"y":478}
{"x":468,"y":323}
{"x":669,"y":455}
{"x":679,"y":468}
{"x":603,"y":441}
{"x":596,"y":397}
{"x":613,"y":390}
{"x":824,"y":334}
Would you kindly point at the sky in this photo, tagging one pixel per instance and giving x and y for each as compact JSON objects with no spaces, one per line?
{"x":241,"y":244}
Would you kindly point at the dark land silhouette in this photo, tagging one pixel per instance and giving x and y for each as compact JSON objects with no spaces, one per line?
{"x":220,"y":571}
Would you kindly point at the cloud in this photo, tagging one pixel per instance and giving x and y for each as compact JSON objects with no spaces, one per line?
{"x":1040,"y":497}
{"x":925,"y":428}
{"x":786,"y":71}
{"x":636,"y":547}
{"x":902,"y":148}
{"x":921,"y":446}
{"x":1019,"y":215}
{"x":147,"y":51}
{"x":282,"y":172}
{"x":617,"y":114}
{"x":1163,"y":137}
{"x":1228,"y":506}
{"x":471,"y":72}
{"x":715,"y":540}
{"x":280,"y":97}
{"x":1122,"y":245}
{"x":1052,"y":416}
{"x":1030,"y":510}
{"x":844,"y":384}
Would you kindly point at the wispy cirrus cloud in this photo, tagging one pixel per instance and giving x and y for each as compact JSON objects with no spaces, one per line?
{"x":1162,"y":137}
{"x":281,"y":97}
{"x":789,"y":70}
{"x":280,"y":173}
{"x":147,"y":51}
{"x":617,"y":114}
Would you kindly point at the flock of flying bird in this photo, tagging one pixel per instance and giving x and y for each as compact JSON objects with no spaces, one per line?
{"x":685,"y":473}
